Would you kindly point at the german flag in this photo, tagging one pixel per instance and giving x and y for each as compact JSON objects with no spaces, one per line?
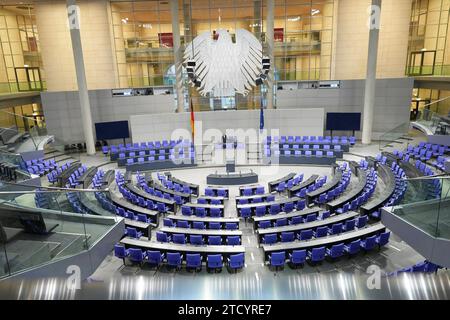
{"x":192,"y":120}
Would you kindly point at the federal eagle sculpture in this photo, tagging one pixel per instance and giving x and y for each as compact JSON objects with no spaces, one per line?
{"x":221,"y":67}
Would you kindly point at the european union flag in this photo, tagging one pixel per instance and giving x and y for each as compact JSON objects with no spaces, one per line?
{"x":261,"y":116}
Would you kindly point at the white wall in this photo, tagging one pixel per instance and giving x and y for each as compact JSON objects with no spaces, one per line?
{"x":392,"y":101}
{"x":63,"y":114}
{"x":150,"y":127}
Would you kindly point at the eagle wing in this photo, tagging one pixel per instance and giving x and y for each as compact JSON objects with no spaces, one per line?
{"x":200,"y":50}
{"x":249,"y":57}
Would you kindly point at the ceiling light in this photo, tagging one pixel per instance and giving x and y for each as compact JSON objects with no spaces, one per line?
{"x":297,"y":18}
{"x":315,"y":11}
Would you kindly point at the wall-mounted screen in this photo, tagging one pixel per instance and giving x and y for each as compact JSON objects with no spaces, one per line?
{"x":344,"y":121}
{"x":112,"y":130}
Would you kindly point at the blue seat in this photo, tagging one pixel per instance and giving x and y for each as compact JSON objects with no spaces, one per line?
{"x":301,"y":204}
{"x":382,"y":239}
{"x":287,"y":236}
{"x":161,"y":207}
{"x":321,"y":232}
{"x":133,"y":233}
{"x":215,"y":240}
{"x":336,"y":228}
{"x":281,"y":222}
{"x":186,"y":211}
{"x":270,"y":238}
{"x":310,"y":218}
{"x":194,"y":261}
{"x":155,"y":257}
{"x":362,"y":221}
{"x":325,"y":215}
{"x":350,"y":225}
{"x":296,"y":220}
{"x":162,"y":237}
{"x":353,"y":247}
{"x":136,"y":255}
{"x":288,"y":207}
{"x":233,"y":240}
{"x":182,"y":224}
{"x":297,"y":257}
{"x":198,"y":225}
{"x":246,"y":212}
{"x":174,"y":259}
{"x":231,"y":226}
{"x":222,"y":193}
{"x":120,"y":252}
{"x":214,"y":261}
{"x":264,"y":224}
{"x":336,"y":251}
{"x":200,"y":212}
{"x":277,"y":259}
{"x":168,"y":222}
{"x":369,"y":243}
{"x":215,"y":212}
{"x":215,"y":225}
{"x":196,"y":239}
{"x":236,"y":261}
{"x":260,"y":211}
{"x":305,"y":234}
{"x":142,"y":217}
{"x":317,"y":254}
{"x":179,"y":238}
{"x":275,"y":208}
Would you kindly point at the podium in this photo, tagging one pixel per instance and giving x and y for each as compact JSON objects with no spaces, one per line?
{"x":230,"y":165}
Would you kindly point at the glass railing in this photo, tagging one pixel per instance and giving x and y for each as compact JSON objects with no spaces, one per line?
{"x":19,"y":133}
{"x":13,"y":87}
{"x":437,"y":123}
{"x":43,"y":225}
{"x":427,"y":205}
{"x":392,"y":135}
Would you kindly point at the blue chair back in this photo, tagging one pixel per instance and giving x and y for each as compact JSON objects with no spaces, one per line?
{"x":154,"y":257}
{"x":174,"y":259}
{"x":214,"y":261}
{"x":214,"y":225}
{"x":179,"y":238}
{"x":317,"y":254}
{"x":277,"y":259}
{"x":136,"y":255}
{"x":233,"y":240}
{"x":298,"y":257}
{"x":287,"y":236}
{"x":215,"y":240}
{"x":196,"y":239}
{"x":236,"y":261}
{"x":270,"y":238}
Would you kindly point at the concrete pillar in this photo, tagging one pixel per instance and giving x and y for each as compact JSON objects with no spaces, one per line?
{"x":178,"y":56}
{"x":369,"y":92}
{"x":257,"y":8}
{"x":74,"y":24}
{"x":270,"y":45}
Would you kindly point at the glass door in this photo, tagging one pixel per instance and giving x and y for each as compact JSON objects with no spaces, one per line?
{"x":421,"y":63}
{"x":28,"y":78}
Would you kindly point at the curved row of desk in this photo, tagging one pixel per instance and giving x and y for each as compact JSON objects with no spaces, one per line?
{"x":328,"y":241}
